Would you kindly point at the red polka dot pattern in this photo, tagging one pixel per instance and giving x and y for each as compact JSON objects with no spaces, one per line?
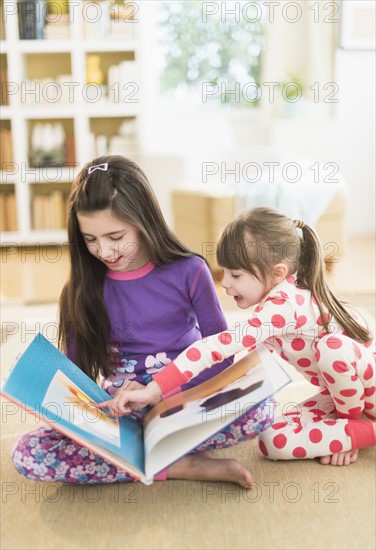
{"x":328,"y":378}
{"x":255,"y":322}
{"x":339,"y":366}
{"x":299,"y":452}
{"x":335,"y":446}
{"x":279,"y":425}
{"x":278,"y":321}
{"x":348,"y":393}
{"x":303,"y":362}
{"x":333,"y":343}
{"x":263,"y":448}
{"x":309,"y":403}
{"x":225,"y":338}
{"x":193,"y":354}
{"x":358,"y":353}
{"x":279,"y":441}
{"x":298,"y":344}
{"x":315,"y":435}
{"x":300,"y":321}
{"x":339,"y":401}
{"x":299,"y":299}
{"x":249,"y":341}
{"x":278,"y":301}
{"x":216,"y":356}
{"x":368,"y":372}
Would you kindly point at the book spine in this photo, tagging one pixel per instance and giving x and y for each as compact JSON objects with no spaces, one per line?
{"x":27,"y":19}
{"x":40,"y":18}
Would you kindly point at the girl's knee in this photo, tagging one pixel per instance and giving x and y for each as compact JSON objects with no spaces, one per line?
{"x":30,"y":446}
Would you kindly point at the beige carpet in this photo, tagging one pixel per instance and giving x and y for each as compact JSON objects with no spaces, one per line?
{"x":297,"y":504}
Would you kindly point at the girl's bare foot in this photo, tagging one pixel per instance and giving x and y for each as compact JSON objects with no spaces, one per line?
{"x":340,"y":459}
{"x":200,"y":467}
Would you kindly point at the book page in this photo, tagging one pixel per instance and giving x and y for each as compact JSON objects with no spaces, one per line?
{"x":184,"y":423}
{"x":74,"y":406}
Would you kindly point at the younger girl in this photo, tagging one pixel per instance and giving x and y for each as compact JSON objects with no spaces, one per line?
{"x":277,"y":263}
{"x":136,"y":298}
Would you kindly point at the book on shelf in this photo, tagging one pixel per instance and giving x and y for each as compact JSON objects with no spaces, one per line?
{"x":31,"y":19}
{"x":6,"y":150}
{"x":8,"y":212}
{"x":4,"y":86}
{"x":49,"y":210}
{"x":46,"y":382}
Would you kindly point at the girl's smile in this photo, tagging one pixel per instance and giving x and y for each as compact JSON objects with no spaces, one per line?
{"x":114,"y":242}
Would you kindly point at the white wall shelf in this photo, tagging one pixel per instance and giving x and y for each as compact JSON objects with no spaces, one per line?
{"x":45,"y":65}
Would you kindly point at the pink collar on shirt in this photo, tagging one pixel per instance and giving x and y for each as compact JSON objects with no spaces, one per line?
{"x":130,"y":275}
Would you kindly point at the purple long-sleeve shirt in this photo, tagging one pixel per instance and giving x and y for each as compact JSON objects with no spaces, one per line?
{"x":157,"y":312}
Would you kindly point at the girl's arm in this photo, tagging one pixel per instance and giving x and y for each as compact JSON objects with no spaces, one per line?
{"x":272,"y":319}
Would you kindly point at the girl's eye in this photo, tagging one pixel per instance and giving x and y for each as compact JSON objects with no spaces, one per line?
{"x":234,"y":276}
{"x":89,"y":240}
{"x":116,"y":238}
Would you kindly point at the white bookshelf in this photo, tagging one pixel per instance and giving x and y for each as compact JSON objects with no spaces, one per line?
{"x":43,"y":60}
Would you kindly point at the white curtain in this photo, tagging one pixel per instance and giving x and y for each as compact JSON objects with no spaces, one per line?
{"x":300,"y":45}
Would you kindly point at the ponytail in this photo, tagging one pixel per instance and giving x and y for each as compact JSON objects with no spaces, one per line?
{"x":311,"y":275}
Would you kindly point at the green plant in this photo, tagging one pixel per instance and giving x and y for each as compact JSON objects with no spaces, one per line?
{"x":224,"y":51}
{"x":292,"y":88}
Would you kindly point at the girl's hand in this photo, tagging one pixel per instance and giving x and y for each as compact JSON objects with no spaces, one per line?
{"x":128,"y":400}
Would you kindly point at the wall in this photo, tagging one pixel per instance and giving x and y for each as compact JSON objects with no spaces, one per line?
{"x":345,"y":136}
{"x":355,"y":75}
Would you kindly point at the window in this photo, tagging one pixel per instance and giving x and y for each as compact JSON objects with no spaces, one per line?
{"x":211,"y":51}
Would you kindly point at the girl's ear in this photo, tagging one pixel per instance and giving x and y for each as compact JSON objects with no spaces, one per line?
{"x":279,"y":273}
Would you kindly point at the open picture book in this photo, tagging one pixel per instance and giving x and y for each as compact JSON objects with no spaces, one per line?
{"x":46,"y":382}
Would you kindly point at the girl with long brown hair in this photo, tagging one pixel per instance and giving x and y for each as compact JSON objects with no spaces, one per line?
{"x":276,"y":263}
{"x":136,"y":298}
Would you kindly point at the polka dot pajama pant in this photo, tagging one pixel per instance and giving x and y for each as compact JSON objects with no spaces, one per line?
{"x":47,"y":455}
{"x":329,"y":422}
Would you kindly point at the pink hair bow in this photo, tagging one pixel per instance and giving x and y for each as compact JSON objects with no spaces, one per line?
{"x":103,"y":167}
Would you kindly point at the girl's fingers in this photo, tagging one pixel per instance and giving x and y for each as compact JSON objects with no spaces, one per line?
{"x":101,"y":405}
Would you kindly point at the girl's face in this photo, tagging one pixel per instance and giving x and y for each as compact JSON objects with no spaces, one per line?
{"x":114,"y":242}
{"x":246,"y":290}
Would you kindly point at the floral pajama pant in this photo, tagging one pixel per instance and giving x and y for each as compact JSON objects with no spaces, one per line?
{"x":329,"y":422}
{"x":47,"y":455}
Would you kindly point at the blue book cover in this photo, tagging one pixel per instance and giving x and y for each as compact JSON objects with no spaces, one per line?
{"x":45,"y":381}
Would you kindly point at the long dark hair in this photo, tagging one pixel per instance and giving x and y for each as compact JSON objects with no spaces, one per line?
{"x":124,"y":189}
{"x":263,"y":237}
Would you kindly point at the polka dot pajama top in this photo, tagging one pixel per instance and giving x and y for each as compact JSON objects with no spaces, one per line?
{"x":339,"y":417}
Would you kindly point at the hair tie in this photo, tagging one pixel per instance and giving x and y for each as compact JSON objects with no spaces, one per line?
{"x":103,"y":167}
{"x":299,"y":224}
